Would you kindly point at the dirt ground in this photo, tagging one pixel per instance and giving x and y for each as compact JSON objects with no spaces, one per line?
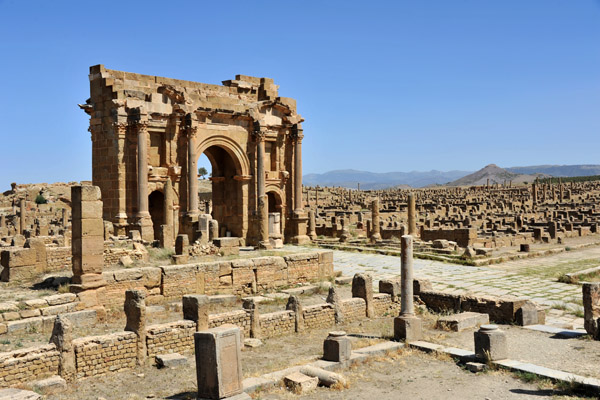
{"x":410,"y":374}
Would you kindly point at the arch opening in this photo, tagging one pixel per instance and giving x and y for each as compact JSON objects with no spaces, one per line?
{"x":156,"y":207}
{"x":222,"y":198}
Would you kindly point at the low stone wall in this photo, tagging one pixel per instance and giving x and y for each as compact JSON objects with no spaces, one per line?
{"x":319,"y":316}
{"x":278,"y":323}
{"x":240,"y":276}
{"x":501,"y":310}
{"x":353,"y":309}
{"x":384,"y":306}
{"x":98,"y":355}
{"x":462,"y":236}
{"x":58,"y":259}
{"x":241,"y":318}
{"x":147,"y":279}
{"x":174,"y":337}
{"x":112,"y":255}
{"x":39,"y":314}
{"x":21,"y":366}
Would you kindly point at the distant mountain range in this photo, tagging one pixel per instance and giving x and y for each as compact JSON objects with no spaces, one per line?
{"x":372,"y":180}
{"x":494,"y":174}
{"x":350,"y":178}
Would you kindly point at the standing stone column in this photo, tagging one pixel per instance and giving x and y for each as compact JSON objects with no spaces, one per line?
{"x":120,"y":130}
{"x":167,"y":238}
{"x":300,"y":217}
{"x":251,"y":306}
{"x":192,"y":170}
{"x":135,"y":311}
{"x":87,"y":245}
{"x":294,"y":305}
{"x":143,"y":216}
{"x":362,"y":287}
{"x":195,"y":308}
{"x":22,"y":217}
{"x":65,"y":218}
{"x":375,"y":228}
{"x":412,"y":215}
{"x":2,"y":221}
{"x":407,"y":326}
{"x":263,"y":203}
{"x":312,"y":225}
{"x":62,"y":337}
{"x":334,"y":299}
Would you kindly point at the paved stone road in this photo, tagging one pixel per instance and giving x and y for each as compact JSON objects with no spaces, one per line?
{"x":532,"y":278}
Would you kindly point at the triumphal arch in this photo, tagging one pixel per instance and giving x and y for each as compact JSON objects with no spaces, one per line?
{"x":148,"y":133}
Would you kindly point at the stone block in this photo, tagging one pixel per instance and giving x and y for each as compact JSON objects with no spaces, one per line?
{"x":391,"y":287}
{"x":88,"y":210}
{"x":462,"y":321}
{"x":85,"y":193}
{"x":59,"y":299}
{"x":54,"y":384}
{"x":18,"y":394}
{"x":337,"y":347}
{"x":88,"y":228}
{"x":490,"y":343}
{"x":299,"y":383}
{"x":527,"y":314}
{"x":475,"y":366}
{"x":171,"y":360}
{"x":218,"y":362}
{"x":408,"y":328}
{"x":591,"y":308}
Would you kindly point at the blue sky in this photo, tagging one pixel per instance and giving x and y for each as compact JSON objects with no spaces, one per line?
{"x":383,"y":86}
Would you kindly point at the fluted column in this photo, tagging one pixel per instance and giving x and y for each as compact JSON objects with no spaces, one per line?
{"x":262,"y":201}
{"x":298,"y":206}
{"x":143,"y":216}
{"x":300,"y":217}
{"x":192,"y":170}
{"x":142,"y":181}
{"x":120,"y":219}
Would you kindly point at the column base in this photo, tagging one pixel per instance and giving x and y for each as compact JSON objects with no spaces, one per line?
{"x":408,"y":328}
{"x":265,"y":245}
{"x":300,"y":222}
{"x":190,"y":226}
{"x":144,"y":223}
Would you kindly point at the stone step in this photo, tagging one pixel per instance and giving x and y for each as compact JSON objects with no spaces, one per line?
{"x":462,"y":321}
{"x":170,"y":360}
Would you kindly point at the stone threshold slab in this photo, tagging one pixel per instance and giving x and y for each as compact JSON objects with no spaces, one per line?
{"x":567,"y":333}
{"x":592,"y":384}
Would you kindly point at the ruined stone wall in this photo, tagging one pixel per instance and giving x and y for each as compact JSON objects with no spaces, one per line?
{"x":241,"y":318}
{"x":384,"y":306}
{"x":354,"y":309}
{"x":24,"y":365}
{"x":462,"y":236}
{"x":174,"y":337}
{"x":113,"y":255}
{"x":147,"y":279}
{"x":501,"y":310}
{"x":319,"y":316}
{"x":58,"y":259}
{"x":278,"y":323}
{"x":98,"y":355}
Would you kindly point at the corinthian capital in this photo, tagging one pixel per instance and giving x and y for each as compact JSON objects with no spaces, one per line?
{"x":296,"y":133}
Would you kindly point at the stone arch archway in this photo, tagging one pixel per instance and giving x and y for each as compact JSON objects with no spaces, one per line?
{"x":229,"y":191}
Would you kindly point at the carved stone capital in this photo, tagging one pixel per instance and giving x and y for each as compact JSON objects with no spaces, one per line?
{"x":296,"y":133}
{"x":120,"y":128}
